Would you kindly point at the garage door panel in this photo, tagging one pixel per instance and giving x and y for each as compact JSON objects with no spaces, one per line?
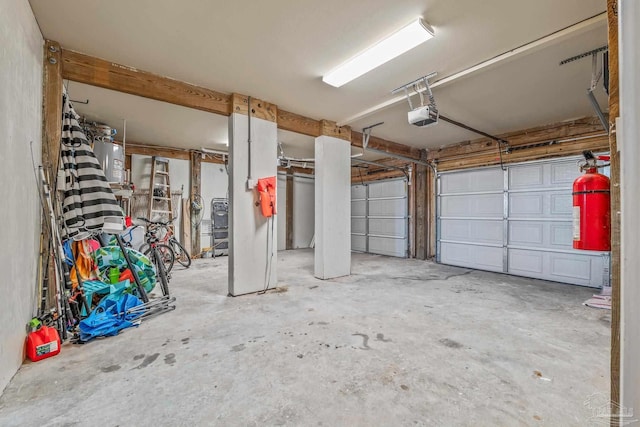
{"x":379,"y":221}
{"x":358,"y":243}
{"x":387,"y":227}
{"x":527,"y":233}
{"x":563,"y":174}
{"x":472,"y":256}
{"x":472,"y":181}
{"x":358,"y":208}
{"x":571,"y":268}
{"x":482,"y":205}
{"x":523,"y":177}
{"x":358,"y":225}
{"x":526,"y":205}
{"x":547,"y":204}
{"x":561,"y":235}
{"x":539,"y":240}
{"x":538,"y":175}
{"x":472,"y":230}
{"x":358,"y":192}
{"x":560,"y":204}
{"x":394,"y":188}
{"x":526,"y":262}
{"x":394,"y":207}
{"x":387,"y":246}
{"x":541,"y":234}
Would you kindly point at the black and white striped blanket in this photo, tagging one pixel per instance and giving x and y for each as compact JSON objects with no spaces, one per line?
{"x":88,"y":198}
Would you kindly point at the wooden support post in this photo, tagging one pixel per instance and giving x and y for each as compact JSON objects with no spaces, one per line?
{"x":289,"y":213}
{"x":127,"y":162}
{"x":51,"y":136}
{"x":614,"y":112}
{"x":196,"y":185}
{"x":432,"y":219}
{"x":422,"y":218}
{"x":52,"y":110}
{"x":412,"y":212}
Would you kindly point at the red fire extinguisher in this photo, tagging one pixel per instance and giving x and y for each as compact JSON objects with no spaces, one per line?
{"x":591,"y":207}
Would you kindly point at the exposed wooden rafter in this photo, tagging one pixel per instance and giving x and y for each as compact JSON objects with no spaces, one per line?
{"x":94,"y":71}
{"x":529,"y":144}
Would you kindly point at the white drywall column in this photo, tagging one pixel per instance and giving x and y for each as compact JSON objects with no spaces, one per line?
{"x":628,"y":133}
{"x":252,"y":238}
{"x":21,"y":66}
{"x":332,"y":204}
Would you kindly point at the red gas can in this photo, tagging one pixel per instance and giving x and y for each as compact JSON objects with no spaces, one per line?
{"x":43,"y":343}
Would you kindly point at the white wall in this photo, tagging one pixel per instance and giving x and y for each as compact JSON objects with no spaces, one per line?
{"x":628,"y":134}
{"x":303,"y":211}
{"x":21,"y":122}
{"x":178,"y":173}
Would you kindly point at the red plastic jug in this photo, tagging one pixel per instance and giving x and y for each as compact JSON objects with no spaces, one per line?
{"x":43,"y":343}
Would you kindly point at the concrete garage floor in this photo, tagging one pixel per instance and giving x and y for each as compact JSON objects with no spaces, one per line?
{"x":400,"y":342}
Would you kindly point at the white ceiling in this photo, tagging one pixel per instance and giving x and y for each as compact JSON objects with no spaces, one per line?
{"x":278,"y":51}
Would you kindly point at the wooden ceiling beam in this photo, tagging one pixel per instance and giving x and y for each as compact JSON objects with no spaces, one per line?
{"x":526,"y":145}
{"x":259,"y":109}
{"x":93,"y":71}
{"x":296,"y":170}
{"x":90,"y":70}
{"x":588,"y":126}
{"x":389,"y":147}
{"x":377,"y":176}
{"x":156,"y":150}
{"x":299,"y":124}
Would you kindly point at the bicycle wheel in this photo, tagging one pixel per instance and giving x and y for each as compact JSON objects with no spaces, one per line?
{"x":166,"y":254}
{"x":182,"y":256}
{"x":144,"y":248}
{"x":162,"y":272}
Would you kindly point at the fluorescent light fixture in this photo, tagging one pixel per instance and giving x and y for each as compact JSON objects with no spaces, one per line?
{"x":403,"y":40}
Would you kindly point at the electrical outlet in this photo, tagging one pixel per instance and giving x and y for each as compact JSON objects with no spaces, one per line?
{"x":251,"y":184}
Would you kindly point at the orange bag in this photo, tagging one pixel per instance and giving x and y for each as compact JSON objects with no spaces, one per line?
{"x":267,"y":192}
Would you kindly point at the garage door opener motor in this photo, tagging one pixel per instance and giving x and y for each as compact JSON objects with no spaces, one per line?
{"x":422,"y":115}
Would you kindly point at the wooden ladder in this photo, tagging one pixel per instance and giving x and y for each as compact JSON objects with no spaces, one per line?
{"x":160,"y":183}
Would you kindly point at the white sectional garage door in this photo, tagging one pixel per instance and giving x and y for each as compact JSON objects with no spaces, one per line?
{"x":379,"y":218}
{"x":516,"y":221}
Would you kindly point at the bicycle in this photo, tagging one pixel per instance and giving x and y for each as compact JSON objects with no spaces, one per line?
{"x":168,"y":239}
{"x":160,"y":255}
{"x":152,"y":240}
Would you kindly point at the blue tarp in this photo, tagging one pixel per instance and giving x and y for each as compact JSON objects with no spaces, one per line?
{"x":110,"y":317}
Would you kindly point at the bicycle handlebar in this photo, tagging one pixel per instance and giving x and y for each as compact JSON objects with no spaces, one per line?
{"x":164,"y":224}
